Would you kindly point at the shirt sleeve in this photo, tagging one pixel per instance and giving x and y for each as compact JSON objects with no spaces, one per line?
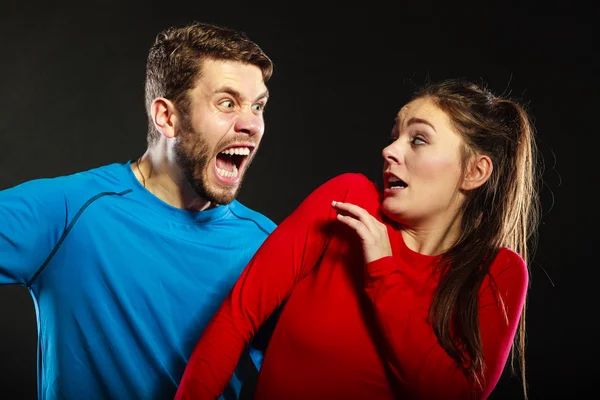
{"x":417,"y":360}
{"x":33,"y":216}
{"x":285,"y":258}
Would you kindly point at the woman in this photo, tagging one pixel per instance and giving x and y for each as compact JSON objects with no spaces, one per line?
{"x":414,"y":291}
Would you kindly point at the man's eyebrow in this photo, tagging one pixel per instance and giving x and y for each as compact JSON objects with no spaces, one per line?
{"x":238,"y":96}
{"x":263,"y":95}
{"x":229,"y":90}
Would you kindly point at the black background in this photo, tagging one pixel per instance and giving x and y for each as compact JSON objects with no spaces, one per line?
{"x":71,"y":98}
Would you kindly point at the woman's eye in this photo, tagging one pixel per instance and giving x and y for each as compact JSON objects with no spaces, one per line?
{"x":418,"y":140}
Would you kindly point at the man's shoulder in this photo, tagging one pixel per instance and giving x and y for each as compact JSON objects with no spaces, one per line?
{"x":105,"y":177}
{"x":98,"y":179}
{"x":58,"y":199}
{"x":261,"y":221}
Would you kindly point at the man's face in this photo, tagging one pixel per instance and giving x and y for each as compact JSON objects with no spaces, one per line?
{"x":220,"y":134}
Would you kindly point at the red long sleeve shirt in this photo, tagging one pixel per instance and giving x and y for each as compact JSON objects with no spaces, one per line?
{"x":348,"y":330}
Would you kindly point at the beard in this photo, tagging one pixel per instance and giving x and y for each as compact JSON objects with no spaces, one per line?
{"x":193,"y":155}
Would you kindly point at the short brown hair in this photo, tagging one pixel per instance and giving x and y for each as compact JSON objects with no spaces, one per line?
{"x":175,"y":59}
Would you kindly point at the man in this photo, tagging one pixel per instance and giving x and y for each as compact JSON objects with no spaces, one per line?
{"x":127,"y":263}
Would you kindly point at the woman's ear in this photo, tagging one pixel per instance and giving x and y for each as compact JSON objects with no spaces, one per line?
{"x":478,"y":172}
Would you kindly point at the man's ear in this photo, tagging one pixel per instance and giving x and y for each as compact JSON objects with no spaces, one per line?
{"x":478,"y":172}
{"x":164,"y":116}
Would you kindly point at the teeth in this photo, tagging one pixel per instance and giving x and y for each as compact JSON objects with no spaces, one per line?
{"x":395,"y":182}
{"x":240,"y":151}
{"x":227,"y":174}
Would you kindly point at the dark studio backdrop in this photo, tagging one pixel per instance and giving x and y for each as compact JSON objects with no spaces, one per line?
{"x":71,"y":98}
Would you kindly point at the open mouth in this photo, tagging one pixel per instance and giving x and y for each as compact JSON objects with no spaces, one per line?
{"x":393,"y":182}
{"x":231,"y":161}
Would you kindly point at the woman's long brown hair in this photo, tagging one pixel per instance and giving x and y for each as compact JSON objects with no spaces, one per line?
{"x":502,"y":212}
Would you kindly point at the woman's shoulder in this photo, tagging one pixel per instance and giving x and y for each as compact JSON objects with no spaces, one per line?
{"x":509,"y":263}
{"x":353,"y":187}
{"x":351,"y":182}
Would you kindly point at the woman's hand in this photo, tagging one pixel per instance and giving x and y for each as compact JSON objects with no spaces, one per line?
{"x":373,"y":234}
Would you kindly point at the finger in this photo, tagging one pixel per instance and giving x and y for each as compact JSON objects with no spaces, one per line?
{"x":357,"y":212}
{"x":360,"y":228}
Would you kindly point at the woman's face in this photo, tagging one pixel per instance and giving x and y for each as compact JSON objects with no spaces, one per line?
{"x":422,"y":169}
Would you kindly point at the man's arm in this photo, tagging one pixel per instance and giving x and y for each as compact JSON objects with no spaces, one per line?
{"x":33,"y":216}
